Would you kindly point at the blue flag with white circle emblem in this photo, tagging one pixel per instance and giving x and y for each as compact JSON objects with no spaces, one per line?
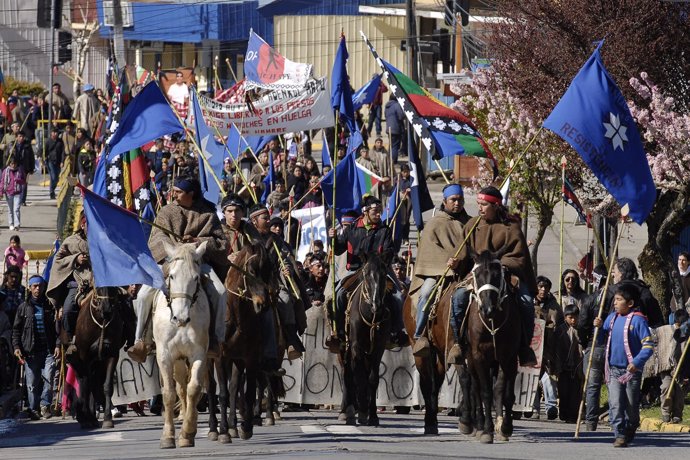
{"x":594,"y":118}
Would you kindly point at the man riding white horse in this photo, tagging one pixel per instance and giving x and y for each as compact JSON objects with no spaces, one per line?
{"x":194,"y":219}
{"x":499,"y":231}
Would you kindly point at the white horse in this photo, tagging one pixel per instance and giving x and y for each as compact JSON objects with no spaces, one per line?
{"x":180,"y":330}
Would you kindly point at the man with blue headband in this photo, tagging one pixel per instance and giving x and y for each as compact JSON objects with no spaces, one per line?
{"x":441,"y":237}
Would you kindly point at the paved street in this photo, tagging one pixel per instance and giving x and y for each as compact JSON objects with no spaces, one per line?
{"x":318,"y":434}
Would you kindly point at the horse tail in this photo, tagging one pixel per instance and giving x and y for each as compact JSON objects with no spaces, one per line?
{"x":277,"y":386}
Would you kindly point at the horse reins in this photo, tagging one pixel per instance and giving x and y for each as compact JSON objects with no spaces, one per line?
{"x":101,"y":337}
{"x":181,"y":295}
{"x":373,"y":324}
{"x":501,"y":297}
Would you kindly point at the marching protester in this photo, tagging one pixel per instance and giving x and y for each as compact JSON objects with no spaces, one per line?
{"x":12,"y":185}
{"x":672,"y":405}
{"x":569,"y":358}
{"x":14,"y":254}
{"x":571,"y":291}
{"x":36,"y":346}
{"x":629,"y":346}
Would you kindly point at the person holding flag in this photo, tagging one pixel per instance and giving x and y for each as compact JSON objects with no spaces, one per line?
{"x":367,"y":234}
{"x":441,"y":237}
{"x":195,"y":219}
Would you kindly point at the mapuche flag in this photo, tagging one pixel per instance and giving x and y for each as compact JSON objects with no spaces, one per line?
{"x":594,"y":118}
{"x":443,"y":131}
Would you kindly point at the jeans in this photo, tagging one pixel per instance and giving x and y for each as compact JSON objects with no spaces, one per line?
{"x":14,"y":203}
{"x":422,"y":313}
{"x":596,"y":379}
{"x":40,"y":370}
{"x":70,"y":310}
{"x":54,"y":173}
{"x":374,"y":115}
{"x":550,"y":394}
{"x":624,"y":402}
{"x":396,"y":140}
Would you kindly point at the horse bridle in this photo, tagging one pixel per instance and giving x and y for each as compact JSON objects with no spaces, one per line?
{"x":500,"y":290}
{"x":182,"y":295}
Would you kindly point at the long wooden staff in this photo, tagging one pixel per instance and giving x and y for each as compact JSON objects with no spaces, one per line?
{"x":564,"y":162}
{"x":624,"y":212}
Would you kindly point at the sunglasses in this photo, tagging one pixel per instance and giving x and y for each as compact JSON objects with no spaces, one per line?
{"x":570,"y":278}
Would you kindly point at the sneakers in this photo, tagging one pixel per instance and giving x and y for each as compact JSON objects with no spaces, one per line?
{"x":551,"y":413}
{"x":11,"y":228}
{"x":139,"y":351}
{"x":45,"y":412}
{"x":421,"y":347}
{"x":666,"y":418}
{"x":115,"y":412}
{"x":620,"y":442}
{"x":676,"y":420}
{"x":455,"y":355}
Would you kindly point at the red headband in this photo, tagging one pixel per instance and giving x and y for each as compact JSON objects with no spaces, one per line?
{"x":489,"y":198}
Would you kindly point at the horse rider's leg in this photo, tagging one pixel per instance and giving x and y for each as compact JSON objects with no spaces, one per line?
{"x":335,"y":340}
{"x":459,"y":302}
{"x":196,"y":377}
{"x":108,"y":392}
{"x":421,"y":346}
{"x":217,"y":299}
{"x":526,"y":301}
{"x":270,"y":344}
{"x":143,"y":304}
{"x":169,"y":397}
{"x":286,"y":311}
{"x":398,"y":336}
{"x":70,"y":313}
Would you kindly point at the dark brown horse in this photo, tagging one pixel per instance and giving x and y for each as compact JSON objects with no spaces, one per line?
{"x":367,"y":328}
{"x":432,"y":368}
{"x":251,"y":290}
{"x":493,"y":334}
{"x":98,"y":337}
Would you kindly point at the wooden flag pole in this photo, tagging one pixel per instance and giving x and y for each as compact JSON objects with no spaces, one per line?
{"x":624,"y":212}
{"x":560,"y":267}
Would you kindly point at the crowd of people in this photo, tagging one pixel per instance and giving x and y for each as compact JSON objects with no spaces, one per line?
{"x":571,"y":314}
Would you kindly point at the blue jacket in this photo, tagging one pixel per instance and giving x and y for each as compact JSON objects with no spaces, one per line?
{"x":394,"y":117}
{"x":639,"y":340}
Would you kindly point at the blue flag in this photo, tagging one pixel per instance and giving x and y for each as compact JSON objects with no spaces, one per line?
{"x":118,"y":246}
{"x":99,"y":176}
{"x":419,"y":192}
{"x":341,"y":91}
{"x":149,"y":214}
{"x":49,"y":262}
{"x":147,"y":117}
{"x":389,"y":213}
{"x":213,"y":151}
{"x":593,"y":117}
{"x":257,"y":143}
{"x":269,"y":180}
{"x":347,"y":195}
{"x":367,"y":93}
{"x":325,"y":154}
{"x":236,"y":142}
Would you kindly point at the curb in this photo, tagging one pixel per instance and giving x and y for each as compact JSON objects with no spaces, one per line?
{"x":656,"y":425}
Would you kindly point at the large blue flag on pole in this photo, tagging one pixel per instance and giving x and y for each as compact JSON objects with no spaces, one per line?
{"x":49,"y":263}
{"x":419,"y":192}
{"x":347,"y":195}
{"x":147,"y":117}
{"x":594,"y":118}
{"x":341,"y":91}
{"x":118,"y":247}
{"x":367,"y":93}
{"x":212,"y":150}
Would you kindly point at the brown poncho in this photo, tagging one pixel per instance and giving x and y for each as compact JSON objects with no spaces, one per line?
{"x":65,"y":265}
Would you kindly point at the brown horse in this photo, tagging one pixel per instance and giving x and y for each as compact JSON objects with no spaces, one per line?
{"x":98,"y":338}
{"x":493,"y":334}
{"x":432,"y":368}
{"x":367,"y":328}
{"x":251,"y":290}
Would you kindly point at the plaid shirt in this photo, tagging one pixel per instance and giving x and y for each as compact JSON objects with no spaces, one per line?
{"x":13,"y":299}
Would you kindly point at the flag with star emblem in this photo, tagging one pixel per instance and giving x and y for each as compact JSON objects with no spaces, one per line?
{"x":367,"y":93}
{"x":594,"y":118}
{"x":214,"y":152}
{"x":443,"y":131}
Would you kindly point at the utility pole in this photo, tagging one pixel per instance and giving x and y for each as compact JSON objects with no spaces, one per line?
{"x":118,"y":34}
{"x":54,"y":22}
{"x":412,"y":66}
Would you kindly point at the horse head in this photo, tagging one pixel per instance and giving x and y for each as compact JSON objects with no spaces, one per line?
{"x":258,"y":276}
{"x":184,"y":280}
{"x":374,"y":277}
{"x":489,"y":281}
{"x":107,"y":300}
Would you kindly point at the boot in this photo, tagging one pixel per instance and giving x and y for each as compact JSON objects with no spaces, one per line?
{"x":293,"y":353}
{"x":139,"y":351}
{"x":421,"y":347}
{"x":526,"y":356}
{"x":272,"y":367}
{"x":71,"y":347}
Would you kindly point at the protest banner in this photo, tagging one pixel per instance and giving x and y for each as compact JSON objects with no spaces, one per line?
{"x":313,"y":227}
{"x":527,"y":380}
{"x":278,"y":112}
{"x":134,"y":381}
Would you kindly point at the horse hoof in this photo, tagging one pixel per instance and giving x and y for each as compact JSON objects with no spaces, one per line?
{"x":233,"y":433}
{"x":213,"y":436}
{"x":465,"y":428}
{"x":167,"y":443}
{"x":245,"y":434}
{"x":269,"y":422}
{"x":277,"y":416}
{"x":107,"y":424}
{"x":430,"y":430}
{"x":184,"y":442}
{"x":502,"y":437}
{"x":373,"y":421}
{"x":362,"y":418}
{"x":342,"y":417}
{"x":478,"y":433}
{"x":257,"y":421}
{"x":224,"y":439}
{"x":486,"y":438}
